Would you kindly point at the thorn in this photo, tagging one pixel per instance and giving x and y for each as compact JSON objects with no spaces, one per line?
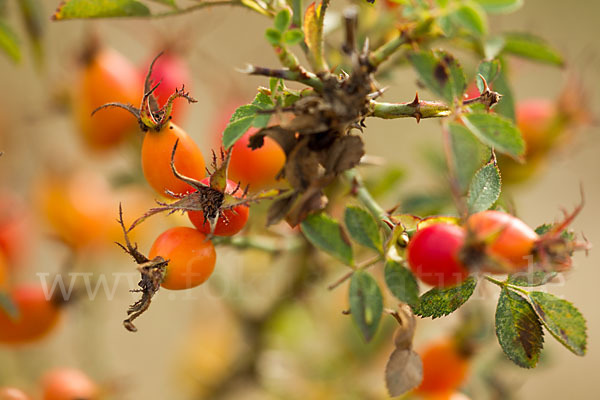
{"x":365,"y":49}
{"x":416,"y":101}
{"x":377,"y":93}
{"x":493,"y":158}
{"x":417,"y":116}
{"x":485,"y":84}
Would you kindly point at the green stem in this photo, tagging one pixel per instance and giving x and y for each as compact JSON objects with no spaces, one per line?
{"x":415,"y":109}
{"x":298,"y":75}
{"x":267,"y":244}
{"x":205,"y":4}
{"x":504,"y":285}
{"x":363,"y":195}
{"x":365,"y":265}
{"x":286,"y":57}
{"x":386,"y":50}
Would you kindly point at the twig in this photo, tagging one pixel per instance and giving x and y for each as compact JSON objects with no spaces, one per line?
{"x":297,"y":75}
{"x":363,"y":195}
{"x":347,"y":276}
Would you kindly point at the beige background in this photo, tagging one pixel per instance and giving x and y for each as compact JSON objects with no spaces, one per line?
{"x":219,"y":41}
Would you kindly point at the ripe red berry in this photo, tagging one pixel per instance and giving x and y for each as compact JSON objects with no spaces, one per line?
{"x":37,"y":316}
{"x":433,"y":255}
{"x":444,"y":369}
{"x":157,"y":149}
{"x":506,"y":239}
{"x":191,"y":257}
{"x":68,"y":384}
{"x":107,"y":77}
{"x":230,"y":222}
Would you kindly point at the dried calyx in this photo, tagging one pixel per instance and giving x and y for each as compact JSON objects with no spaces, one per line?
{"x":150,"y":116}
{"x":152,"y":275}
{"x":212,"y":199}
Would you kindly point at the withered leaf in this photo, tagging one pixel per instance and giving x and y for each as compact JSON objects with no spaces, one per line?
{"x":345,"y":153}
{"x":311,"y":200}
{"x":302,"y":166}
{"x":285,"y":139}
{"x":403,"y":372}
{"x":280,"y":208}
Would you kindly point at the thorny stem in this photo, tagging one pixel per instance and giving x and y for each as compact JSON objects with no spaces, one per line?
{"x":363,"y":195}
{"x":365,"y":265}
{"x":297,"y":75}
{"x":416,"y":109}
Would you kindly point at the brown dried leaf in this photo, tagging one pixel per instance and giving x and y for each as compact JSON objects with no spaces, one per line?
{"x":345,"y":153}
{"x":311,"y":200}
{"x":403,"y":372}
{"x":284,"y":138}
{"x":280,"y":208}
{"x":301,"y":167}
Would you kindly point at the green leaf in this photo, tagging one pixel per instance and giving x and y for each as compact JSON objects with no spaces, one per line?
{"x":73,"y":9}
{"x":282,"y":20}
{"x":497,"y":132}
{"x":9,"y":42}
{"x":562,"y":320}
{"x":293,"y":37}
{"x":489,"y":70}
{"x":531,"y":47}
{"x":240,"y":122}
{"x":469,"y":154}
{"x":245,"y":117}
{"x":531,"y":278}
{"x":439,"y":302}
{"x":500,"y":6}
{"x":273,"y":36}
{"x":506,"y":106}
{"x":471,"y":17}
{"x":518,"y":329}
{"x":326,"y":234}
{"x":492,"y":46}
{"x":363,"y":228}
{"x":485,"y":188}
{"x":441,"y":73}
{"x":366,"y":303}
{"x":402,"y":283}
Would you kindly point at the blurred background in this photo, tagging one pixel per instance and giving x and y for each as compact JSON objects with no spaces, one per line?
{"x":189,"y":343}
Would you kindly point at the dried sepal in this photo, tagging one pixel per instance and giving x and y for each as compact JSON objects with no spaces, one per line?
{"x":212,"y":200}
{"x":149,"y":115}
{"x":152,"y":275}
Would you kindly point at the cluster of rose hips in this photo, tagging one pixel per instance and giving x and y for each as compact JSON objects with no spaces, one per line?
{"x":445,"y":254}
{"x":173,"y":165}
